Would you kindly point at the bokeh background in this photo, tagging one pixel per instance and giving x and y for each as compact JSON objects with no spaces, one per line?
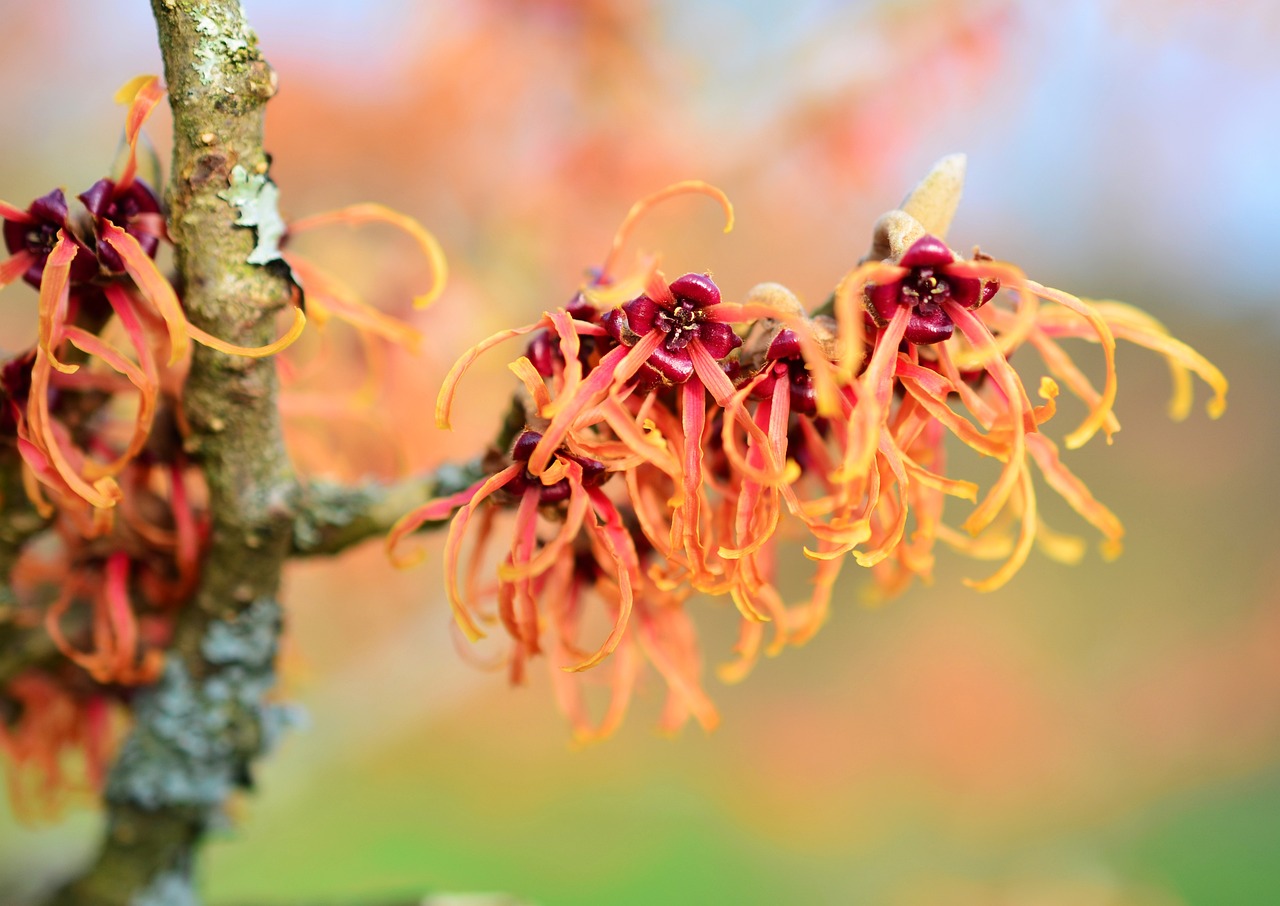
{"x":1104,"y":734}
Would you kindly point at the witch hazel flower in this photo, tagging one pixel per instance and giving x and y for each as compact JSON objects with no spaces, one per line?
{"x":725,"y":426}
{"x":940,"y":332}
{"x":683,"y":313}
{"x":109,"y":604}
{"x":575,"y":482}
{"x":31,"y":234}
{"x":674,"y":341}
{"x":641,"y":373}
{"x":601,"y":395}
{"x":929,"y":282}
{"x":90,"y":265}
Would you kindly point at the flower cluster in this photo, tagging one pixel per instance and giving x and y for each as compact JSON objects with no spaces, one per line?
{"x":91,"y":419}
{"x":671,"y":440}
{"x":90,"y":265}
{"x":92,"y":422}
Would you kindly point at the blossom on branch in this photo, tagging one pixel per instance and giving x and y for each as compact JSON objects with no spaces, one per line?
{"x":672,"y":440}
{"x":92,"y":416}
{"x":89,"y":267}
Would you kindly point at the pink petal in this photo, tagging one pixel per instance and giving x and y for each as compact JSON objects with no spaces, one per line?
{"x":883,"y":301}
{"x":928,"y":327}
{"x":718,"y":338}
{"x":927,"y":251}
{"x":696,"y":288}
{"x":676,"y":366}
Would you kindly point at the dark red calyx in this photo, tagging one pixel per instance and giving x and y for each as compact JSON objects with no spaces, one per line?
{"x":803,"y":399}
{"x":106,"y":201}
{"x":38,"y":235}
{"x":924,"y":289}
{"x":927,"y":251}
{"x":594,"y":473}
{"x":544,"y":353}
{"x":15,"y":390}
{"x":15,"y":376}
{"x":684,"y":319}
{"x":581,"y":310}
{"x":785,"y":363}
{"x":786,"y":345}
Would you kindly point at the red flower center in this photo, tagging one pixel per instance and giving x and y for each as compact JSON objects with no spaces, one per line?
{"x":680,"y":324}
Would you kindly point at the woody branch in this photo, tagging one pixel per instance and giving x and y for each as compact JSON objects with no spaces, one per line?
{"x":199,"y":729}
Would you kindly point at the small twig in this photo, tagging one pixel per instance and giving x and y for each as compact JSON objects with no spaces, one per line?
{"x":333,"y":517}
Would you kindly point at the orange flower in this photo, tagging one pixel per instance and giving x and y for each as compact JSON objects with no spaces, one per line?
{"x":727,"y":438}
{"x":87,"y":269}
{"x":943,"y":328}
{"x":574,"y":481}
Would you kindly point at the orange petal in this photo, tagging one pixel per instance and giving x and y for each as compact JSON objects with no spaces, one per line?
{"x":147,"y":394}
{"x":614,"y":368}
{"x":435,"y":510}
{"x":850,"y":308}
{"x":570,"y":346}
{"x":1128,"y":323}
{"x":253,"y":352}
{"x":14,"y":213}
{"x":357,"y":214}
{"x":1066,"y":549}
{"x":1026,"y":537}
{"x":123,"y":306}
{"x":103,"y":492}
{"x":453,"y":547}
{"x":55,"y":286}
{"x":448,"y":390}
{"x":1074,"y":491}
{"x":617,"y":543}
{"x":876,"y":392}
{"x":1097,"y":418}
{"x":533,"y":382}
{"x":326,"y":295}
{"x":124,"y":623}
{"x":689,"y":692}
{"x":153,"y":286}
{"x":1010,"y":385}
{"x":641,"y":207}
{"x":1062,"y":367}
{"x":1013,"y":279}
{"x":141,"y":93}
{"x":53,"y":626}
{"x":15,"y":266}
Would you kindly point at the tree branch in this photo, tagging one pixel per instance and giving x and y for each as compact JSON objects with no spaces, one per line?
{"x":199,"y":728}
{"x":333,"y":516}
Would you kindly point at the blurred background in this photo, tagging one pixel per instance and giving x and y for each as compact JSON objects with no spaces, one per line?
{"x":1104,"y":734}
